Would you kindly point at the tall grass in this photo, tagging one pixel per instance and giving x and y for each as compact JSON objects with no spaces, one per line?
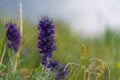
{"x":105,"y":47}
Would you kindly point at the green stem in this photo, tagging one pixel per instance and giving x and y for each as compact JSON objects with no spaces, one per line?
{"x":3,"y":54}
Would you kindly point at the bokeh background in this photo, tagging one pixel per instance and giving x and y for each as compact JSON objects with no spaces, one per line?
{"x":85,"y":16}
{"x":94,"y":23}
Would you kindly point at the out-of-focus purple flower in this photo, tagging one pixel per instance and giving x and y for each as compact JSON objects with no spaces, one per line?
{"x":46,"y":38}
{"x":60,"y":69}
{"x":61,"y":72}
{"x":52,"y":64}
{"x":13,"y":35}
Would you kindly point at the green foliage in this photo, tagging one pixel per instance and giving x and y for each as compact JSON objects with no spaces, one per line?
{"x":2,"y":41}
{"x":41,"y":73}
{"x":105,"y":47}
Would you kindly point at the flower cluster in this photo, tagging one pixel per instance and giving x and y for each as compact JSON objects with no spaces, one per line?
{"x":13,"y":35}
{"x":53,"y":64}
{"x":46,"y":39}
{"x":60,"y":69}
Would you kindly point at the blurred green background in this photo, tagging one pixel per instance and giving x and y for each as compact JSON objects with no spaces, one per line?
{"x":106,"y":46}
{"x":94,"y":24}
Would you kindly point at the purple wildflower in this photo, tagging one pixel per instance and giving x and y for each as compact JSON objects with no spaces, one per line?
{"x":13,"y":35}
{"x":60,"y":70}
{"x":46,"y":47}
{"x":46,"y":39}
{"x":53,"y":64}
{"x":61,"y":73}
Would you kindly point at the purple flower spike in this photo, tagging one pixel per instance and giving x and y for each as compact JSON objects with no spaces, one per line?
{"x":13,"y":35}
{"x":46,"y":38}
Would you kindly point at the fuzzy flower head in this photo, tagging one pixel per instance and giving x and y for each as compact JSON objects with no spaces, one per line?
{"x":13,"y":35}
{"x":46,"y":38}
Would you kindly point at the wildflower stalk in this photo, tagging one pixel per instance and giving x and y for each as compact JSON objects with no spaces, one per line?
{"x":3,"y":54}
{"x":82,"y":56}
{"x":20,"y":46}
{"x":107,"y":68}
